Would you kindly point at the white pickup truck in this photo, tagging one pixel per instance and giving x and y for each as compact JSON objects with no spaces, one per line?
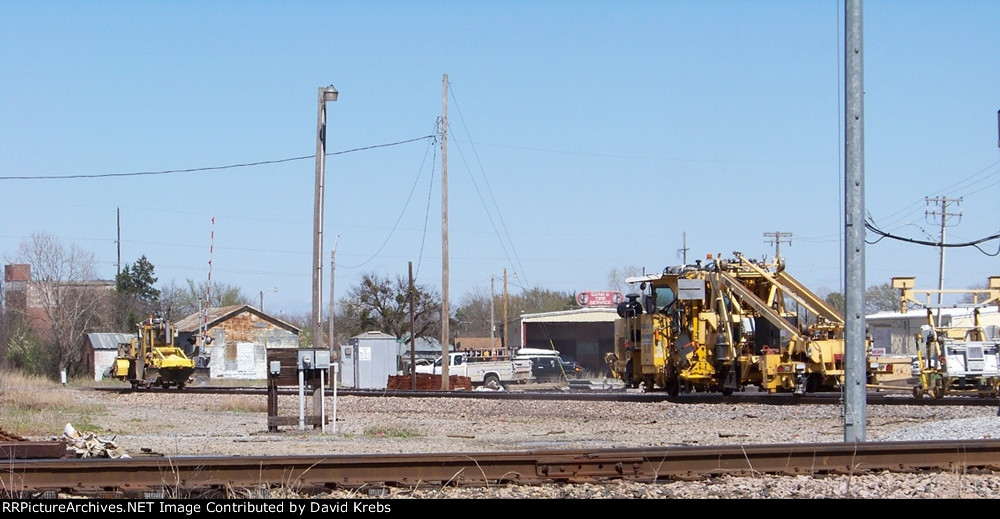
{"x":482,"y":371}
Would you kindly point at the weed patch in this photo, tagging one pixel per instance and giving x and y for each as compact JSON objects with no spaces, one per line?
{"x":391,"y":432}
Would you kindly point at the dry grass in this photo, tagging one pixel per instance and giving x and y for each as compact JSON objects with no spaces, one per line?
{"x":239,"y":404}
{"x":33,"y":406}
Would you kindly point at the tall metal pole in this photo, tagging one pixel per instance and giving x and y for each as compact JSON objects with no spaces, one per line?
{"x":445,"y":312}
{"x":855,"y":399}
{"x":325,"y":94}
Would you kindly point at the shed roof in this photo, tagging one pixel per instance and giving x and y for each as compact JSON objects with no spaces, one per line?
{"x":922,"y":313}
{"x":192,"y":323}
{"x":107,"y":341}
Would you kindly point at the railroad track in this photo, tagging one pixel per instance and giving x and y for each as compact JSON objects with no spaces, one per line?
{"x":874,"y":397}
{"x":229,"y":477}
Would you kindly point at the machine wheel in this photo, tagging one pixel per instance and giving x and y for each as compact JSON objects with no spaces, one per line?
{"x":491,"y":381}
{"x":918,"y":392}
{"x":814,"y":383}
{"x":673,"y":385}
{"x":647,"y":384}
{"x":938,"y":392}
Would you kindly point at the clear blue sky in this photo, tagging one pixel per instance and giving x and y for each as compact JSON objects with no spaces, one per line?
{"x":584,"y":136}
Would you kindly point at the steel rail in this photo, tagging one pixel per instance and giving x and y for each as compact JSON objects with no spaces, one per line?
{"x":830,"y":398}
{"x":194,"y":476}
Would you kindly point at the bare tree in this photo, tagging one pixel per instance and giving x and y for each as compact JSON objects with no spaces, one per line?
{"x":617,"y":277}
{"x":968,"y":297}
{"x":64,"y":302}
{"x":178,"y":302}
{"x":474,"y":314}
{"x":380,"y":304}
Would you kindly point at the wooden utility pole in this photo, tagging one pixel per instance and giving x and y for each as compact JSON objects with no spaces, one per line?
{"x":333,"y":270}
{"x":413,"y":355}
{"x":445,"y":312}
{"x":503,"y":340}
{"x":119,"y":242}
{"x":493,"y":325}
{"x":775,"y":238}
{"x":944,"y":214}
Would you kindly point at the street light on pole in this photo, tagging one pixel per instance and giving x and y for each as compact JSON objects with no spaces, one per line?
{"x":326,"y":94}
{"x":262,"y":298}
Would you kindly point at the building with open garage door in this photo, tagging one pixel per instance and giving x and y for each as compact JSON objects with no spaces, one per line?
{"x":585,"y":335}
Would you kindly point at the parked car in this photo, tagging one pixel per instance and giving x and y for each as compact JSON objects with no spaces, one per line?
{"x":548,"y":365}
{"x":571,"y":368}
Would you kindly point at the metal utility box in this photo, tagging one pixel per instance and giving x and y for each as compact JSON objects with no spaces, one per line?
{"x":368,"y":360}
{"x":313,"y":359}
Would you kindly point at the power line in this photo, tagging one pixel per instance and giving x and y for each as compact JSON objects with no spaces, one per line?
{"x":210,"y":168}
{"x":975,"y":243}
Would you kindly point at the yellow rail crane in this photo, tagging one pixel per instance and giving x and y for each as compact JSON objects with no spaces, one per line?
{"x":728,"y":324}
{"x":952,"y":358}
{"x":150,"y":359}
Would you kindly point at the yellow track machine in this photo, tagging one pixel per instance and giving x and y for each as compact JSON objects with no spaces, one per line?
{"x":725,"y":325}
{"x":151,"y":359}
{"x":954,"y":358}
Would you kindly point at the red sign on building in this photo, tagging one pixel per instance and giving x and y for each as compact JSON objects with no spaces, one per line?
{"x":605,"y":298}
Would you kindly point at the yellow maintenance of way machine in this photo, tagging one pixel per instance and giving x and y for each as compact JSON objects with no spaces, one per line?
{"x":151,"y":359}
{"x":725,"y":325}
{"x":954,"y":358}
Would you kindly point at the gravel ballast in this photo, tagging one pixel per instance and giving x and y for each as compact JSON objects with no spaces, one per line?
{"x":187,"y":424}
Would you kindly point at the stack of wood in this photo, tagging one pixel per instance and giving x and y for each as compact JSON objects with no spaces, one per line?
{"x":427,"y":382}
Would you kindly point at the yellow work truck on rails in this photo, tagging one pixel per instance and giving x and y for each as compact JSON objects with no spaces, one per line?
{"x":724,"y":325}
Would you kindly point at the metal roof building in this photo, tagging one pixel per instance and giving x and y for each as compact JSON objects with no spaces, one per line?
{"x":585,"y":335}
{"x":100,"y":351}
{"x":895,"y":332}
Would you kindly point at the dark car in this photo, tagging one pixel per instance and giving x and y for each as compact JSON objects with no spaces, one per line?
{"x":547,"y":365}
{"x":571,"y":368}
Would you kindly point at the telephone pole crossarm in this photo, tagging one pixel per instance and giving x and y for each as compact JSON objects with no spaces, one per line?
{"x":775,"y":238}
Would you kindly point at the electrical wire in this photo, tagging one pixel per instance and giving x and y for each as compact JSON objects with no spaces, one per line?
{"x":211,"y":168}
{"x":870,"y":225}
{"x":499,"y":216}
{"x":402,"y":211}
